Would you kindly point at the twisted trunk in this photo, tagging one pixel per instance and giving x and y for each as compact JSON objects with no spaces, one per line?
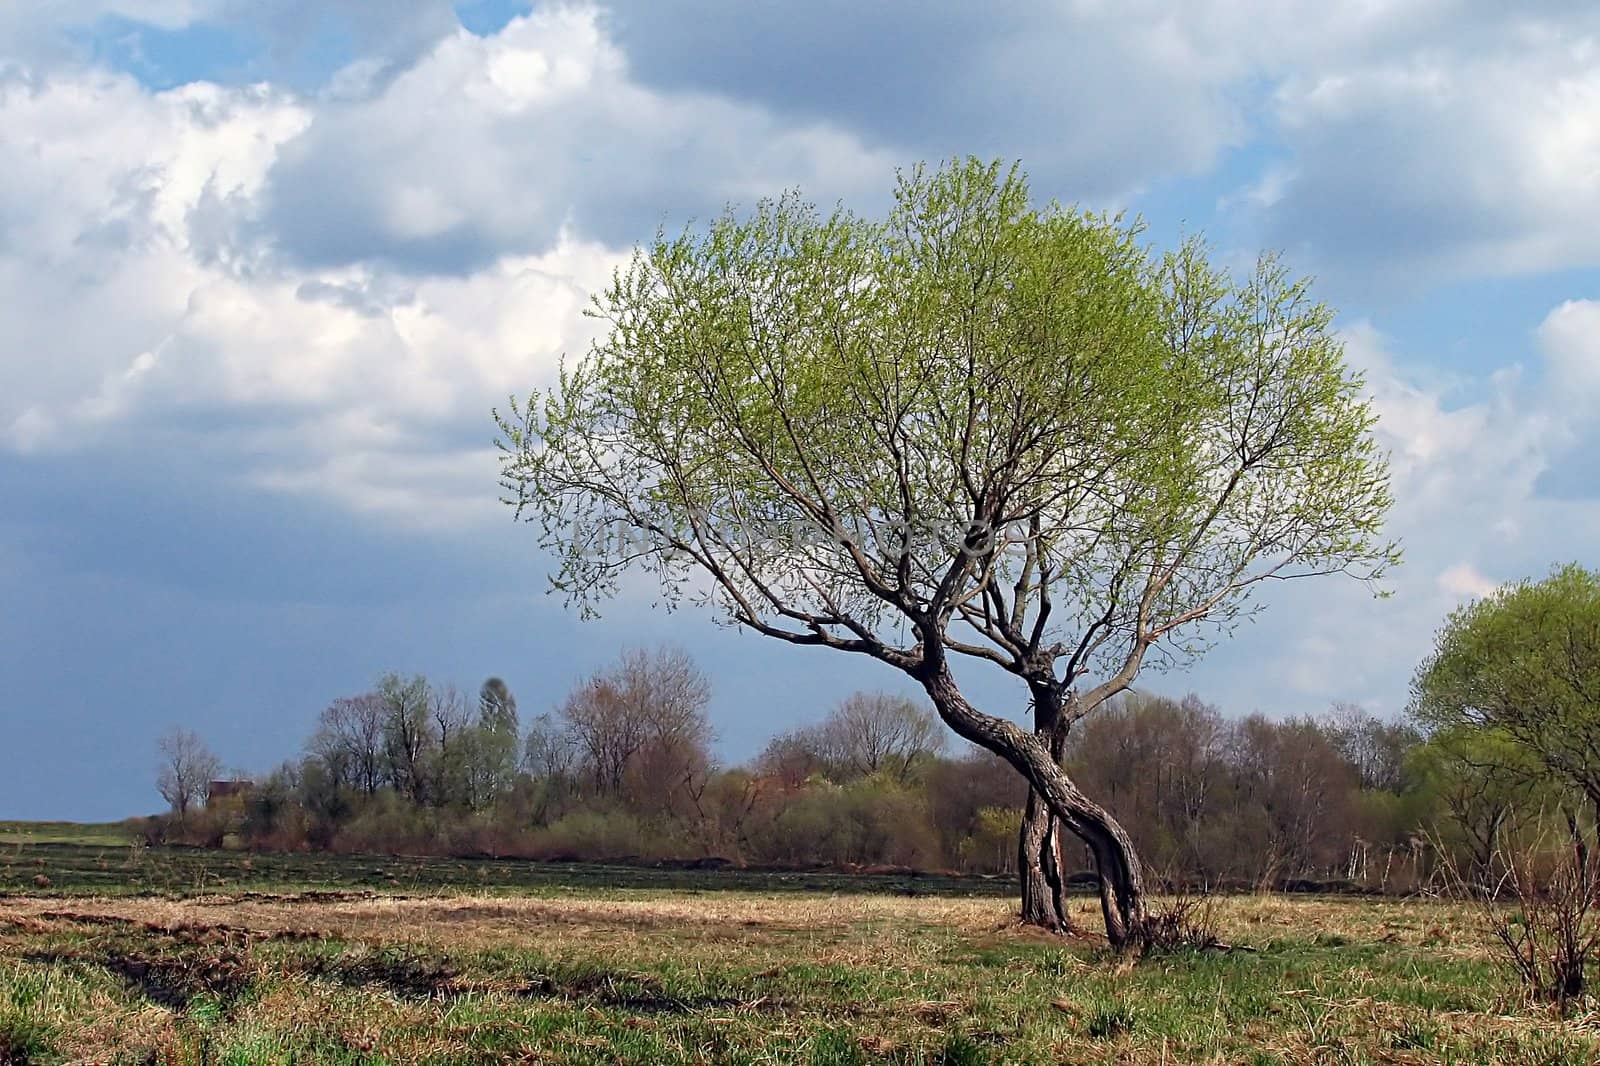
{"x":1122,"y":896}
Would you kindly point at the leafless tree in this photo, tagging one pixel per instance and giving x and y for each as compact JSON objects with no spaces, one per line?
{"x":405,"y":733}
{"x":792,"y":758}
{"x":640,"y":728}
{"x":187,"y":766}
{"x":547,"y":752}
{"x":1375,"y":748}
{"x":451,"y":747}
{"x":867,"y":733}
{"x":873,"y":732}
{"x":350,"y":741}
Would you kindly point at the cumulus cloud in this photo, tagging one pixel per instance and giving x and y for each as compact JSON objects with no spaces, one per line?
{"x":278,"y":41}
{"x":1098,"y":99}
{"x":102,"y":178}
{"x":320,"y":292}
{"x":1464,"y":581}
{"x":1472,"y":150}
{"x":491,"y":145}
{"x":1570,"y":338}
{"x":1403,"y":143}
{"x":333,"y":292}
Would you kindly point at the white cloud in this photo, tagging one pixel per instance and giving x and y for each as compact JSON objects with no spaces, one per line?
{"x":329,"y":292}
{"x":150,"y":301}
{"x":491,"y":145}
{"x":1464,"y":580}
{"x":1472,"y":149}
{"x":102,"y":179}
{"x":1570,"y":339}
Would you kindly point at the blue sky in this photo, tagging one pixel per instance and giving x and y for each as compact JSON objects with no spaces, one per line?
{"x":269,"y":265}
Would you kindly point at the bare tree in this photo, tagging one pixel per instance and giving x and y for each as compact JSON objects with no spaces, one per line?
{"x":547,"y":752}
{"x":1375,"y":748}
{"x":867,"y":733}
{"x":792,"y":758}
{"x":405,"y":733}
{"x":451,"y":747}
{"x":350,"y":741}
{"x":187,"y":767}
{"x":640,"y":728}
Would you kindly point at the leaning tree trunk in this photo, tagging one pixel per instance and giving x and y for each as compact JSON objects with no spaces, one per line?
{"x":1122,"y":898}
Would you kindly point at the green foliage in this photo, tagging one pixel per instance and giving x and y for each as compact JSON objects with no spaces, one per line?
{"x":597,"y":836}
{"x":1519,"y":670}
{"x":850,"y":424}
{"x":978,"y":426}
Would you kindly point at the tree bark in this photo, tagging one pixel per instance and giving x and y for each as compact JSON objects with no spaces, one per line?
{"x":1122,"y":896}
{"x":1039,"y":863}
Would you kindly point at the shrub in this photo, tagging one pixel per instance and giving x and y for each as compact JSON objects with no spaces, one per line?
{"x":1541,"y":915}
{"x":594,"y":835}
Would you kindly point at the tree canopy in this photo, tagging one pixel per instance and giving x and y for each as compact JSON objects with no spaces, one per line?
{"x":1518,"y":673}
{"x":977,"y":411}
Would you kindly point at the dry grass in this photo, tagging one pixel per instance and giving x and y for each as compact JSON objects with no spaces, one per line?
{"x":654,"y":976}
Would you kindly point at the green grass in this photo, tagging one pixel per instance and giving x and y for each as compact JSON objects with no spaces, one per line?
{"x":89,"y":834}
{"x":558,"y":964}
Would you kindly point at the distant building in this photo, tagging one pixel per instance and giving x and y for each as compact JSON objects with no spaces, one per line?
{"x":218,"y":790}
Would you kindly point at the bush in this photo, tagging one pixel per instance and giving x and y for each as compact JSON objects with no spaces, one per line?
{"x":387,"y":824}
{"x":869,"y":822}
{"x":1541,"y":915}
{"x":1553,"y":929}
{"x":595,"y":835}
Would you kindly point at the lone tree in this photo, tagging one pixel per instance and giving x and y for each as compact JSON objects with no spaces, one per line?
{"x":977,"y":429}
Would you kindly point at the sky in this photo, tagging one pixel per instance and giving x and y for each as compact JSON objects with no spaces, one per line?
{"x":268,"y":266}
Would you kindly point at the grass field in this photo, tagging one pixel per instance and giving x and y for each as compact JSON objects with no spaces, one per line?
{"x":91,"y":834}
{"x":302,"y":960}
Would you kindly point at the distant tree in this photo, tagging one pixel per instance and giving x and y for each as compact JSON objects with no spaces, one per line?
{"x":548,"y":753}
{"x":350,"y":741}
{"x":965,"y":796}
{"x":548,"y":749}
{"x":977,"y":427}
{"x":496,"y":703}
{"x":452,"y":748}
{"x":187,"y":766}
{"x":497,"y":735}
{"x":793,"y":758}
{"x":1291,"y":793}
{"x":867,"y":733}
{"x":874,"y":732}
{"x":406,"y":734}
{"x":1158,"y":763}
{"x":639,"y":729}
{"x":1522,"y":667}
{"x":1376,"y":749}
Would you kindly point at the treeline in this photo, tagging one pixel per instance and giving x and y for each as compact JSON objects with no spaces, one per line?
{"x":623,"y":769}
